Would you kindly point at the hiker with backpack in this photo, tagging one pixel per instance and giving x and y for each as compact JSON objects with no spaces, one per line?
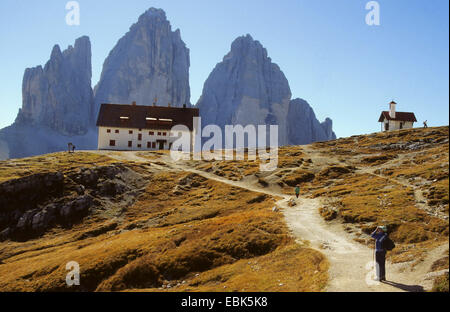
{"x":382,"y":244}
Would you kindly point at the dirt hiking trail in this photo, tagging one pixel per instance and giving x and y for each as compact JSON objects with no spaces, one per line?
{"x":351,"y":263}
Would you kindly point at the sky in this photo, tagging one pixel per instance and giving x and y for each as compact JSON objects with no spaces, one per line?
{"x":346,"y":70}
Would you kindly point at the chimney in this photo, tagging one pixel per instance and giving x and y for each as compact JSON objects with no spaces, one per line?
{"x":392,"y":109}
{"x":134,"y":103}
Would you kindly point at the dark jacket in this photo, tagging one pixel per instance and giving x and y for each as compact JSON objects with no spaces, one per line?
{"x":379,"y":238}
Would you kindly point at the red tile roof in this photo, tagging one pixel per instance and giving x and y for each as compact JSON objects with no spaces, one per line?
{"x":399,"y":116}
{"x":109,"y":116}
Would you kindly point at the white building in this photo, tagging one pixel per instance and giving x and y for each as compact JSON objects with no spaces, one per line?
{"x":393,"y":120}
{"x":137,"y":127}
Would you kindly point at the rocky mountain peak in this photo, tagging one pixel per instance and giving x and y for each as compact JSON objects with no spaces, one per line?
{"x":246,"y":88}
{"x":303,"y":126}
{"x":150,"y":61}
{"x":59,"y":96}
{"x":56,"y":52}
{"x":246,"y":45}
{"x":153,"y":13}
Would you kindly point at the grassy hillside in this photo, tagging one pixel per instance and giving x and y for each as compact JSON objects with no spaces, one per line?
{"x":399,"y":179}
{"x":154,"y":226}
{"x":182,"y":232}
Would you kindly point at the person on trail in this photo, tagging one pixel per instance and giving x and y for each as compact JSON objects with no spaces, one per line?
{"x":380,"y":234}
{"x":297,"y":191}
{"x":69,"y":146}
{"x":73,"y":148}
{"x":425,"y":124}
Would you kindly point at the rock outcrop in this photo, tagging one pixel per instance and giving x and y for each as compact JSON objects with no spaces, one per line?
{"x":150,"y":61}
{"x":59,"y":96}
{"x":31,"y":205}
{"x":327,"y":126}
{"x":248,"y":88}
{"x":303,"y":126}
{"x":19,"y":200}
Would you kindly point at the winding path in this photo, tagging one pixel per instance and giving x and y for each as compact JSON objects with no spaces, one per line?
{"x":351,"y":263}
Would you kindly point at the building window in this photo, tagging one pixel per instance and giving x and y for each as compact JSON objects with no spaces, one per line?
{"x":140,"y":129}
{"x":130,"y":143}
{"x":153,"y":144}
{"x":117,"y":131}
{"x":140,"y":137}
{"x":164,"y":133}
{"x":139,"y":145}
{"x":108,"y":130}
{"x":159,"y":133}
{"x":149,"y":144}
{"x":151,"y":133}
{"x":130,"y":132}
{"x":112,"y":142}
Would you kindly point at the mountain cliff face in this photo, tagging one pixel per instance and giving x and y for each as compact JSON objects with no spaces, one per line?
{"x":247,"y":88}
{"x":57,"y":106}
{"x":303,"y":126}
{"x":327,"y":126}
{"x":150,"y":61}
{"x":59,"y":96}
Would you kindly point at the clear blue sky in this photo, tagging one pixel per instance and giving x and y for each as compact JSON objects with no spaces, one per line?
{"x":344,"y":68}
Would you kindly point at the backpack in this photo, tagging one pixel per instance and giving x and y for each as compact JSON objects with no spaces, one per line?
{"x":388,"y":244}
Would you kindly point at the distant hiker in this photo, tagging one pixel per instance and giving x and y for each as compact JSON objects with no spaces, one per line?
{"x":381,"y":237}
{"x":73,"y":148}
{"x":69,"y":146}
{"x":425,"y":124}
{"x":297,"y":191}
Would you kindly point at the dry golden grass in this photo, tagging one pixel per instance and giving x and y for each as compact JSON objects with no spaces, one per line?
{"x":297,"y":177}
{"x":441,"y":283}
{"x":441,"y":264}
{"x":63,"y":161}
{"x":181,"y":226}
{"x":283,"y":270}
{"x":370,"y":180}
{"x":363,"y":144}
{"x":389,"y":196}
